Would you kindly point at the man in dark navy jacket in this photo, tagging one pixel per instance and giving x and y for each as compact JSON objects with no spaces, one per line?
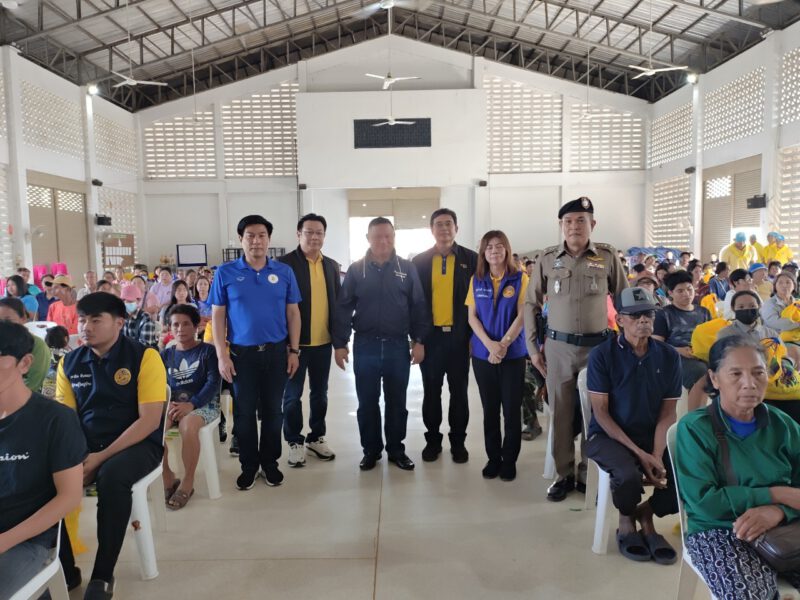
{"x":382,"y":300}
{"x":318,"y":279}
{"x":445,"y":271}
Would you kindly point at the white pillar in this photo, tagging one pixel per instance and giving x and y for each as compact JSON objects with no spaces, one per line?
{"x":16,"y":177}
{"x":696,"y":181}
{"x":770,"y":158}
{"x":142,"y":238}
{"x":92,"y":192}
{"x":222,"y":196}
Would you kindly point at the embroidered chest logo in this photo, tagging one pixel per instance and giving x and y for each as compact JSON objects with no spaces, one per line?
{"x":401,"y":275}
{"x":240,"y":279}
{"x":508,"y":292}
{"x":272,"y":278}
{"x":122,"y":377}
{"x":14,"y":457}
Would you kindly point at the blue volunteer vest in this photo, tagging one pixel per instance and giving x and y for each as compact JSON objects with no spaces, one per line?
{"x":497,"y":317}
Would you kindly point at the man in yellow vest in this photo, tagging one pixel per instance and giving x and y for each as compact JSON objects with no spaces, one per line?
{"x":739,"y":254}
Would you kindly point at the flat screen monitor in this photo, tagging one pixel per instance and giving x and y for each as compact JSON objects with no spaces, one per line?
{"x":192,"y":255}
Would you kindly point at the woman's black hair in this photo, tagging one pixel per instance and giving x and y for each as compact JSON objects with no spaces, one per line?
{"x":57,"y":337}
{"x":184,"y":309}
{"x":673,"y":280}
{"x":19,"y":282}
{"x":15,"y":340}
{"x":789,"y":276}
{"x":173,"y":301}
{"x":745,"y":293}
{"x":720,"y":350}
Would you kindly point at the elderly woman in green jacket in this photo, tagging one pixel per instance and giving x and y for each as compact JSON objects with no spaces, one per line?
{"x":764,"y":452}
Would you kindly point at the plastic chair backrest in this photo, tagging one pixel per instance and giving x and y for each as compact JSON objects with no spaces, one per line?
{"x":672,"y":434}
{"x":586,"y":403}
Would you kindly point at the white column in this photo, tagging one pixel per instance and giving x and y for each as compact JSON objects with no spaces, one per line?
{"x":16,"y":176}
{"x":92,"y":192}
{"x":770,"y":158}
{"x":142,"y":238}
{"x":696,"y":182}
{"x":222,"y":196}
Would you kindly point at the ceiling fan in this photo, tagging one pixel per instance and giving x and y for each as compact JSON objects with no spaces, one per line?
{"x":388,"y":80}
{"x":133,"y":82}
{"x":129,"y":79}
{"x":650,"y":70}
{"x":415,"y":5}
{"x":391,"y":121}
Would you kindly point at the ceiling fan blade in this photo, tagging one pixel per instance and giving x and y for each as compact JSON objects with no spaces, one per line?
{"x":120,"y":84}
{"x":380,"y":124}
{"x":374,"y":76}
{"x":368,"y":10}
{"x":638,"y":68}
{"x":161,"y":83}
{"x":640,"y":75}
{"x":665,"y":69}
{"x":405,"y":122}
{"x":387,"y":84}
{"x":405,"y":78}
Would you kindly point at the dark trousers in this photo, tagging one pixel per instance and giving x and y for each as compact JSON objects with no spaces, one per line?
{"x":377,"y":360}
{"x":501,"y":386}
{"x":258,"y":387}
{"x":115,"y":478}
{"x":626,"y":477}
{"x":445,"y":355}
{"x":316,"y":360}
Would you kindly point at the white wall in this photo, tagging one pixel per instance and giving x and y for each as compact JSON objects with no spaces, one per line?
{"x":181,"y":219}
{"x":279,"y":208}
{"x":527,"y":215}
{"x":332,"y":204}
{"x":457,"y":154}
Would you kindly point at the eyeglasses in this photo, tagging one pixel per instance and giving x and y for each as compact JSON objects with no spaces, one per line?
{"x":647,"y":314}
{"x":48,"y":283}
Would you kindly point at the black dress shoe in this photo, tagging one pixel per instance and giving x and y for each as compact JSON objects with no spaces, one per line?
{"x":368,"y":462}
{"x":580,"y":487}
{"x":431,"y":452}
{"x":491,"y":470}
{"x":559,"y":490}
{"x":72,"y":578}
{"x":402,"y":461}
{"x":508,"y":471}
{"x":460,"y":454}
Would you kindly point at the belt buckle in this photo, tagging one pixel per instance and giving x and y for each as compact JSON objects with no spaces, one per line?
{"x":447,"y":329}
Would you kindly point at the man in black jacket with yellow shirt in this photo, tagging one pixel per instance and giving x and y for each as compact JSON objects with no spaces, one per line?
{"x":318,"y":279}
{"x":445,"y":271}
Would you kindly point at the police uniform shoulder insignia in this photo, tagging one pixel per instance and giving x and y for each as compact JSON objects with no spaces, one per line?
{"x":550,"y":249}
{"x":122,"y":377}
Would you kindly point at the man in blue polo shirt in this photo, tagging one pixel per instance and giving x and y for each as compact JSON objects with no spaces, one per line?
{"x":634,"y":384}
{"x":255,"y":309}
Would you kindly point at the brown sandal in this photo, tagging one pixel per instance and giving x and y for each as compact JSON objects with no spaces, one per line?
{"x":179,"y":499}
{"x":168,"y":492}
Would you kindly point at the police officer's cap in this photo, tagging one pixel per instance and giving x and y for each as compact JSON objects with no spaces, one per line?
{"x":582,"y":204}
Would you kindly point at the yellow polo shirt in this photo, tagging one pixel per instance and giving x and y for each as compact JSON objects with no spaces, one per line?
{"x":319,"y":331}
{"x":442,"y":289}
{"x":523,"y":287}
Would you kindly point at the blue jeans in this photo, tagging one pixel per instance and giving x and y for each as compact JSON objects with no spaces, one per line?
{"x":19,"y":564}
{"x":376,"y":359}
{"x":258,"y":386}
{"x":317,"y":361}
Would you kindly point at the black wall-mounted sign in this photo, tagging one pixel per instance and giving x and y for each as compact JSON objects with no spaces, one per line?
{"x":367,"y":135}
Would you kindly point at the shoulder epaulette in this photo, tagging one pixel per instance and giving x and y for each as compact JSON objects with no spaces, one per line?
{"x":604,"y":246}
{"x":550,"y":249}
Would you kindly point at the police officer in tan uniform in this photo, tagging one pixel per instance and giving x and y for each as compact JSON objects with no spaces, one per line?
{"x":574,"y":278}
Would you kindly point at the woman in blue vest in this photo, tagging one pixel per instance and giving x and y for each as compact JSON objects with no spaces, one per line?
{"x":495,"y":298}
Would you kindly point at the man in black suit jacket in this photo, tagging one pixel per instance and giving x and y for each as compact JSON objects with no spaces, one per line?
{"x":445,"y":271}
{"x":319,"y":282}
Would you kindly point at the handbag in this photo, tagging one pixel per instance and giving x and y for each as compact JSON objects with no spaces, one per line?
{"x":780,"y":546}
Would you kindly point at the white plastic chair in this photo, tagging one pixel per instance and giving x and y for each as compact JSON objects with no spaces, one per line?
{"x":208,"y":455}
{"x":598,"y":481}
{"x":50,"y":578}
{"x":39,"y":328}
{"x":140,"y":513}
{"x":687,"y":584}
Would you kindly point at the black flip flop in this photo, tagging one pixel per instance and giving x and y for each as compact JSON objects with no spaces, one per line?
{"x":171,"y":490}
{"x":660,"y":549}
{"x":633,"y":546}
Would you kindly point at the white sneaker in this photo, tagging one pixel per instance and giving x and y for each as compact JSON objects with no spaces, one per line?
{"x":320,"y":449}
{"x":297,"y":455}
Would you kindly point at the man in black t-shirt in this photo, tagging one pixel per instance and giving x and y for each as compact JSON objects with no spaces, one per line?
{"x":675,"y":324}
{"x":42,"y":449}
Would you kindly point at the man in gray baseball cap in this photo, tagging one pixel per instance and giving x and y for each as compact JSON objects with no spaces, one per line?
{"x":634,"y":383}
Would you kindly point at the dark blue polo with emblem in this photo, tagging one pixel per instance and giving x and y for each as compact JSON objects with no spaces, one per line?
{"x":255,"y":301}
{"x":636,"y":386}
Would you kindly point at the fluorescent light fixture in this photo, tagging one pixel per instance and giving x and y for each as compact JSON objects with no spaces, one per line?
{"x":692,"y":78}
{"x":93,"y":90}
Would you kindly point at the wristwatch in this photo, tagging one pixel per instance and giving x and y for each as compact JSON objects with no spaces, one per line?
{"x":294,"y":351}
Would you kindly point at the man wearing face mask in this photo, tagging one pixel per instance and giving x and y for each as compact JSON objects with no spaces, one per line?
{"x":138,"y":326}
{"x":746,"y":306}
